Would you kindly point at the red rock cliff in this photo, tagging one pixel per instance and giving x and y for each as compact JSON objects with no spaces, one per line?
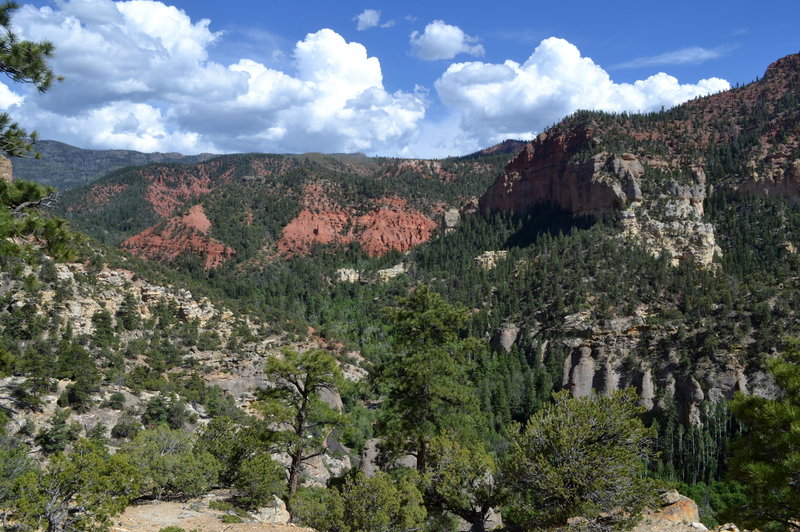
{"x":389,"y":225}
{"x":186,"y":234}
{"x":546,"y":173}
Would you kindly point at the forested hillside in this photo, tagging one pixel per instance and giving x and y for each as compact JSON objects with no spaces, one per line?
{"x":381,"y":349}
{"x":65,"y":167}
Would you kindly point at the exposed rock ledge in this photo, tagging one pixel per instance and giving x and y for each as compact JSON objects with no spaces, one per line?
{"x":546,"y":172}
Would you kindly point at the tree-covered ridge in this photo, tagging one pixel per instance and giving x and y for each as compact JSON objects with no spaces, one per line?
{"x":251,"y":198}
{"x":747,"y":133}
{"x":436,"y":375}
{"x":65,"y":167}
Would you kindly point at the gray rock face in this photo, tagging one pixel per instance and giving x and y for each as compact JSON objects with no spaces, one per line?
{"x":609,"y":382}
{"x":647,"y":390}
{"x":452,"y":219}
{"x":505,"y":337}
{"x":579,"y":370}
{"x":275,"y":513}
{"x":608,"y":361}
{"x":369,"y":458}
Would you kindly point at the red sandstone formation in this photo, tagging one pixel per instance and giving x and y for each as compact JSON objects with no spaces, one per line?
{"x":544,"y":173}
{"x":180,"y":235}
{"x":388,"y":228}
{"x":172,"y":187}
{"x":99,"y":195}
{"x":389,"y":225}
{"x":310,"y":228}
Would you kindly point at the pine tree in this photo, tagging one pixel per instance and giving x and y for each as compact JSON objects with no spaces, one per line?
{"x":766,"y":459}
{"x":293,"y":405}
{"x":24,"y":62}
{"x":428,"y":391}
{"x":580,"y":457}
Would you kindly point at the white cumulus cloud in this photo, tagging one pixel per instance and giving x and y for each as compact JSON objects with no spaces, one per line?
{"x":138,"y":75}
{"x":369,"y":18}
{"x":443,"y":41}
{"x":498,"y":101}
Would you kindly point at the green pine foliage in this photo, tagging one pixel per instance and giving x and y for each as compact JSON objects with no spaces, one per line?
{"x":293,"y":401}
{"x":362,"y":504}
{"x":766,"y":458}
{"x":427,"y":385}
{"x":79,"y":491}
{"x":580,"y":457}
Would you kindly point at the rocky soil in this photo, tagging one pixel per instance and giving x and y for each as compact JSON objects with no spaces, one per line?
{"x":195,"y":514}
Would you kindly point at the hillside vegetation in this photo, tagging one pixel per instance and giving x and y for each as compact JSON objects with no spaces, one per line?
{"x":388,"y":344}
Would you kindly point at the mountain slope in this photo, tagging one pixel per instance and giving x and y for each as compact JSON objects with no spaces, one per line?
{"x":64,"y":166}
{"x":267,"y":206}
{"x":654,"y":171}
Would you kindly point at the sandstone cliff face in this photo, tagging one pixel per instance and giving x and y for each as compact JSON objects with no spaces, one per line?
{"x":547,"y":172}
{"x":389,"y":225}
{"x":186,"y":234}
{"x":604,"y":358}
{"x":393,"y":226}
{"x":747,"y":140}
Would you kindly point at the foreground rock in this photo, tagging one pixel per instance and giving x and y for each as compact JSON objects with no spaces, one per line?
{"x":677,"y":514}
{"x":194,"y":514}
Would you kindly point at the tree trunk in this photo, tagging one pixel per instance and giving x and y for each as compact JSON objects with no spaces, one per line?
{"x":477,"y":526}
{"x":422,"y":449}
{"x":294,"y":473}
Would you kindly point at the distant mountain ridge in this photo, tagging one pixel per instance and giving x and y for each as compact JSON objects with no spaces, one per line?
{"x":261,"y":206}
{"x":65,"y":167}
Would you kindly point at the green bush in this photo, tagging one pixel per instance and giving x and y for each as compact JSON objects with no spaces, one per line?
{"x":259,"y":480}
{"x":580,"y":457}
{"x":127,"y":426}
{"x":362,"y":504}
{"x":169,"y":465}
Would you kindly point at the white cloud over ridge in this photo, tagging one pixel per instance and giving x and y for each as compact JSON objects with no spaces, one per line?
{"x":137,"y":75}
{"x":443,"y":41}
{"x":498,"y":101}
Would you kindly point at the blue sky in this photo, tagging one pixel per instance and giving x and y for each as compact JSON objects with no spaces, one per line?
{"x":417,"y":79}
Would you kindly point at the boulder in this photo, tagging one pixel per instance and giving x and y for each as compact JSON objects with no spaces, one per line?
{"x":274,"y":513}
{"x":677,"y":508}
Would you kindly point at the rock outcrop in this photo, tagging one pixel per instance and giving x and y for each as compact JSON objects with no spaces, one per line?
{"x":652,"y":173}
{"x":389,"y":225}
{"x":180,"y":235}
{"x":170,"y":188}
{"x":550,"y":171}
{"x":601,"y":361}
{"x":546,"y":172}
{"x":488,"y":259}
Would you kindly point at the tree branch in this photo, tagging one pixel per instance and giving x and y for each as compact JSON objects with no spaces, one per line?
{"x":46,"y":202}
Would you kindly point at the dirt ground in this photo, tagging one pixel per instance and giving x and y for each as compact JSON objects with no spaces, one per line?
{"x":189,"y":515}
